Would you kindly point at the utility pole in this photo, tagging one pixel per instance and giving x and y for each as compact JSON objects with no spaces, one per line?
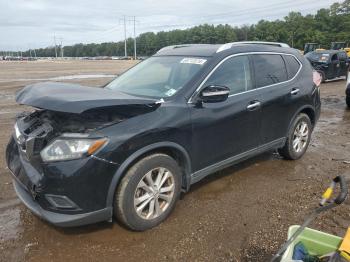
{"x":54,"y":39}
{"x":135,"y":38}
{"x":125,"y":51}
{"x":61,"y":48}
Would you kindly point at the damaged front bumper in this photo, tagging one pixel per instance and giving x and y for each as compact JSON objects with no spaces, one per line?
{"x":65,"y":193}
{"x":57,"y":219}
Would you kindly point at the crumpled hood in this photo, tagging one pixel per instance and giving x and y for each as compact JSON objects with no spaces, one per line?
{"x":74,"y":98}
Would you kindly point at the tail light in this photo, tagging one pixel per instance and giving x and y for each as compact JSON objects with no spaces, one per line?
{"x":316,"y":77}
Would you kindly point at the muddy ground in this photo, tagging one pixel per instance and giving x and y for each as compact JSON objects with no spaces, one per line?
{"x":239,"y":214}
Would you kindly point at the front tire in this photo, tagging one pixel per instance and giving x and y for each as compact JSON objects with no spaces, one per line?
{"x":348,"y":101}
{"x":148,"y":192}
{"x":298,"y":138}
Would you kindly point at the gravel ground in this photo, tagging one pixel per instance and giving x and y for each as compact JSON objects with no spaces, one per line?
{"x":239,"y":214}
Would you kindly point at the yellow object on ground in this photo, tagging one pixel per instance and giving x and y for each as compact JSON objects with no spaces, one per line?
{"x":345,"y":255}
{"x":345,"y":246}
{"x":328,"y":193}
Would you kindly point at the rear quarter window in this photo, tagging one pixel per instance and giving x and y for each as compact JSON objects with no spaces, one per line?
{"x":269,"y":69}
{"x":292,"y":64}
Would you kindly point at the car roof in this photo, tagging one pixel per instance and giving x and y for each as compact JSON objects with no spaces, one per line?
{"x":328,"y":51}
{"x":208,"y":50}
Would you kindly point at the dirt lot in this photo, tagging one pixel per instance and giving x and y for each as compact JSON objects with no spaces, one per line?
{"x":239,"y":214}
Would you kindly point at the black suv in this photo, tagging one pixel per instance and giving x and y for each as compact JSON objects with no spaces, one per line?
{"x":129,"y":149}
{"x":330,"y":64}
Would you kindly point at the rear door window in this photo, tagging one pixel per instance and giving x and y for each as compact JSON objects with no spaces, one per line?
{"x":292,"y":64}
{"x":269,"y":69}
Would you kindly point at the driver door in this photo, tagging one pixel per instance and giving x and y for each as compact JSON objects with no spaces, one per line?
{"x":222,"y":130}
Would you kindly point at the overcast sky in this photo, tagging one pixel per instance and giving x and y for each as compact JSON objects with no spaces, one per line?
{"x":28,"y":24}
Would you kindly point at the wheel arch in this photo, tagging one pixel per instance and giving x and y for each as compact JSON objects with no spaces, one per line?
{"x":347,"y":90}
{"x":175,"y":150}
{"x":309,"y":111}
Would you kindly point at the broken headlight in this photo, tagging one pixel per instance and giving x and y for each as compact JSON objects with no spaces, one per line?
{"x":72,"y":148}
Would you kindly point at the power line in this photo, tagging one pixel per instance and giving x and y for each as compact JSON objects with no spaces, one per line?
{"x":252,"y":10}
{"x":237,"y":13}
{"x":273,"y":14}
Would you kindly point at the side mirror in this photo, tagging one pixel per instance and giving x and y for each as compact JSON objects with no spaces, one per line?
{"x":214,"y":94}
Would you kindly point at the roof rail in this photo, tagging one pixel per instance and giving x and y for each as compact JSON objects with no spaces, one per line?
{"x":229,"y":45}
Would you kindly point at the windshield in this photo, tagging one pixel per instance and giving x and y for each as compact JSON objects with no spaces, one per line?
{"x":318,"y":57}
{"x":157,"y":77}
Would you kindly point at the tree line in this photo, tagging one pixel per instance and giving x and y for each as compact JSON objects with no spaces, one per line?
{"x":327,"y":25}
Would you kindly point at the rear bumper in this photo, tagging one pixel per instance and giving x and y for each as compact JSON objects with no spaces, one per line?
{"x":62,"y":220}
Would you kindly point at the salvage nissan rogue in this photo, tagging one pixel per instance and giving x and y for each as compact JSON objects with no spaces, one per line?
{"x":129,"y":149}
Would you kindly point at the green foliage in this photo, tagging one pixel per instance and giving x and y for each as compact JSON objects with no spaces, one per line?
{"x":327,"y":25}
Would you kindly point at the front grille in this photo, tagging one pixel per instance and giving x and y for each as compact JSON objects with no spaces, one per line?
{"x":32,"y":134}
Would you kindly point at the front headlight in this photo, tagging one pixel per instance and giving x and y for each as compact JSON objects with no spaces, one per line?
{"x":67,"y":149}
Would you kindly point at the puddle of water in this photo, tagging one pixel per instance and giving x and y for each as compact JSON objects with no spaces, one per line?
{"x":60,"y":78}
{"x":9,"y":203}
{"x":10,"y":224}
{"x":7,"y":96}
{"x":10,"y":111}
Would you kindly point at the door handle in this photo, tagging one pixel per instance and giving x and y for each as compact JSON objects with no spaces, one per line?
{"x":253,"y":105}
{"x":294,"y":91}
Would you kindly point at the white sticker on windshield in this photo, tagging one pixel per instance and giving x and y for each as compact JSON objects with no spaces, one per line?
{"x":196,"y":61}
{"x":170,"y":92}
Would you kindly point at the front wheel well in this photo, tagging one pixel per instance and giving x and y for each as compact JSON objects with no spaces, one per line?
{"x":177,"y":152}
{"x":178,"y":155}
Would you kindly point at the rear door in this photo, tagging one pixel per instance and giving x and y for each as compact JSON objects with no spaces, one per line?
{"x":280,"y":95}
{"x":225,"y":129}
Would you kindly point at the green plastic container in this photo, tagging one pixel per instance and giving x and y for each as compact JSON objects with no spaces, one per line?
{"x":316,"y":242}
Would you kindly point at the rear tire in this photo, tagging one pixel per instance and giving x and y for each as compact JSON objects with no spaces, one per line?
{"x":348,"y":101}
{"x":298,"y":138}
{"x":148,"y":192}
